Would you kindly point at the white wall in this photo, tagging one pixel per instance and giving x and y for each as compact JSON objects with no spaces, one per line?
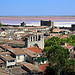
{"x":21,"y":58}
{"x":10,"y":63}
{"x":40,"y":43}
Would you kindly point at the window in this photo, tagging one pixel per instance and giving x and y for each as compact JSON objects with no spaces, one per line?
{"x":39,"y":38}
{"x":31,"y":38}
{"x":10,"y":60}
{"x":24,"y":57}
{"x":18,"y":57}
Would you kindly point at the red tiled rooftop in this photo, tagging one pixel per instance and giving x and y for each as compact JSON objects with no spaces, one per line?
{"x":64,"y":35}
{"x":43,"y":67}
{"x":35,"y":49}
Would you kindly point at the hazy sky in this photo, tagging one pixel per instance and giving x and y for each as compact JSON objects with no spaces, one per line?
{"x":37,"y":7}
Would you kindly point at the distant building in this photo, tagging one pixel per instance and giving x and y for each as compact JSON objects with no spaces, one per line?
{"x":73,"y":27}
{"x":46,"y":23}
{"x":34,"y":40}
{"x":23,"y":24}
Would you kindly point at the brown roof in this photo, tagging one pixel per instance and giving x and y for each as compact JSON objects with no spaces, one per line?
{"x":43,"y":67}
{"x":36,"y":27}
{"x":32,"y":67}
{"x":1,"y":61}
{"x":69,"y":47}
{"x":5,"y":46}
{"x":29,"y":52}
{"x":17,"y":51}
{"x":4,"y":53}
{"x":18,"y":71}
{"x":72,"y":52}
{"x":27,"y":35}
{"x":6,"y":58}
{"x":47,"y":37}
{"x":1,"y":50}
{"x":3,"y":71}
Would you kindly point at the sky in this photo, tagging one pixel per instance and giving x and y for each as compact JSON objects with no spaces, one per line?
{"x":37,"y":7}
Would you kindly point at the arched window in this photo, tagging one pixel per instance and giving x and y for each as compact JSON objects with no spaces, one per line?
{"x":31,"y":38}
{"x":36,"y":45}
{"x":39,"y":38}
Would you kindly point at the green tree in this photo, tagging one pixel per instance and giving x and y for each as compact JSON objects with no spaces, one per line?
{"x":57,"y":56}
{"x":69,"y":68}
{"x":71,"y":40}
{"x":0,"y":23}
{"x":52,"y":41}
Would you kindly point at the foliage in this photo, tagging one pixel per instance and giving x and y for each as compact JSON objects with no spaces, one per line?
{"x":56,"y":40}
{"x":63,"y":34}
{"x":71,"y":40}
{"x":69,"y":68}
{"x":1,"y":24}
{"x":59,"y":56}
{"x":50,"y":71}
{"x":52,"y":41}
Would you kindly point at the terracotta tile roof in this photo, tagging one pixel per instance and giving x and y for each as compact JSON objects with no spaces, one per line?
{"x":1,"y":61}
{"x":3,"y":71}
{"x":43,"y":67}
{"x":6,"y":58}
{"x":32,"y":67}
{"x":17,"y":51}
{"x":1,"y":50}
{"x":18,"y":71}
{"x":69,"y":47}
{"x":5,"y":46}
{"x":29,"y":52}
{"x":4,"y":53}
{"x":72,"y":52}
{"x":47,"y":37}
{"x":65,"y":36}
{"x":35,"y":49}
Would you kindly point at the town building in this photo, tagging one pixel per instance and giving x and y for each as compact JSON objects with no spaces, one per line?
{"x":46,"y":23}
{"x":73,"y":27}
{"x":34,"y":40}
